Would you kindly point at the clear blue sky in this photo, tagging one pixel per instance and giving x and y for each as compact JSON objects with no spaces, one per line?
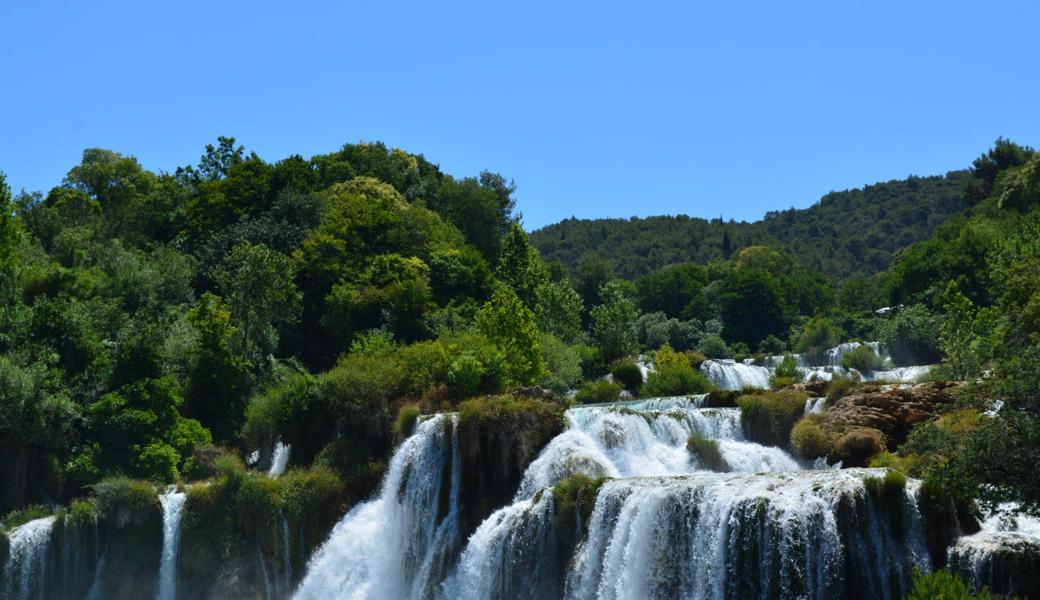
{"x":595,"y":109}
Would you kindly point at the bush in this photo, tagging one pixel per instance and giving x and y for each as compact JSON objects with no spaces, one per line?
{"x":407,"y":415}
{"x":943,"y":585}
{"x":818,"y":335}
{"x":863,"y":359}
{"x":676,"y":380}
{"x":707,"y":450}
{"x":713,"y":346}
{"x":808,"y":439}
{"x":627,"y":374}
{"x":772,"y":345}
{"x":911,"y":336}
{"x":855,"y":448}
{"x":786,"y":373}
{"x":563,"y":363}
{"x":125,"y":500}
{"x":838,"y":388}
{"x":596,"y":392}
{"x":23,"y":516}
{"x":768,"y":418}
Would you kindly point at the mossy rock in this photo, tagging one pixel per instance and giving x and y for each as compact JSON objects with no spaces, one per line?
{"x":722,"y":399}
{"x":708,"y":453}
{"x":573,"y":501}
{"x":499,"y":437}
{"x":857,"y":447}
{"x":130,"y":520}
{"x":768,"y":418}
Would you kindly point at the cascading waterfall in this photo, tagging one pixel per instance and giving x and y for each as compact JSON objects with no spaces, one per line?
{"x":279,"y":460}
{"x":661,"y":526}
{"x":739,"y":536}
{"x":26,"y":569}
{"x":643,"y":438}
{"x":172,"y":502}
{"x":396,"y":545}
{"x":981,"y":558}
{"x":731,"y":375}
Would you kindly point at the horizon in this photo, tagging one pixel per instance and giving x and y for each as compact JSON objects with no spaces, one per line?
{"x":594,"y":111}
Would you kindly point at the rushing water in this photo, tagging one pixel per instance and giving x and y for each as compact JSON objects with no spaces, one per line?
{"x":172,"y":502}
{"x":982,"y":558}
{"x":26,"y":568}
{"x":394,"y":546}
{"x":279,"y":461}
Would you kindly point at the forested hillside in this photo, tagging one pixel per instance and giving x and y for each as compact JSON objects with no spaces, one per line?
{"x":846,"y":234}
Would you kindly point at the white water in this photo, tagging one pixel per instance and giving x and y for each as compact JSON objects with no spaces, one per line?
{"x":731,"y":375}
{"x":638,"y":439}
{"x":975,"y":556}
{"x":393,"y":546}
{"x":815,"y":405}
{"x":26,"y":565}
{"x":172,"y":502}
{"x":279,"y":460}
{"x":742,"y":536}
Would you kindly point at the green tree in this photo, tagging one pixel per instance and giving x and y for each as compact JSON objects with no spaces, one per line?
{"x":966,"y":335}
{"x":752,"y":307}
{"x":218,"y":381}
{"x":508,"y":323}
{"x":558,"y":310}
{"x":520,"y":267}
{"x":258,"y":286}
{"x":614,"y":322}
{"x":591,"y":273}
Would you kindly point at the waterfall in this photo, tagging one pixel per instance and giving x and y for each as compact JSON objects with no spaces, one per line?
{"x":835,"y":354}
{"x":26,"y":569}
{"x":396,"y":545}
{"x":982,"y":558}
{"x":511,"y":555}
{"x":628,"y":440}
{"x":279,"y":460}
{"x":815,"y":405}
{"x":736,"y":536}
{"x":172,"y":502}
{"x":731,"y":375}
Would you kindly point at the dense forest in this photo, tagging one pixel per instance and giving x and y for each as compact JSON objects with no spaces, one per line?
{"x":173,"y":328}
{"x":845,"y":235}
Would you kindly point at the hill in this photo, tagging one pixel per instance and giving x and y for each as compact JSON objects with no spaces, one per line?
{"x":847,"y":234}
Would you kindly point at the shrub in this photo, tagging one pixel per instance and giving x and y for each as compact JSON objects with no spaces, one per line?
{"x":855,"y":448}
{"x":786,"y":373}
{"x":425,"y":366}
{"x":861,"y":358}
{"x":808,"y":439}
{"x":627,"y":374}
{"x":125,"y":500}
{"x":695,"y":358}
{"x":596,"y":392}
{"x":818,"y":335}
{"x":772,"y":345}
{"x":24,"y":515}
{"x":563,"y":363}
{"x":573,"y":497}
{"x":767,"y":418}
{"x":943,"y":585}
{"x":911,"y":336}
{"x":713,"y":346}
{"x":407,"y":415}
{"x":839,"y":387}
{"x":676,"y":381}
{"x":707,"y":450}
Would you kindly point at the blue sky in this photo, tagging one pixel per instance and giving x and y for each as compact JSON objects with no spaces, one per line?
{"x":596,"y":109}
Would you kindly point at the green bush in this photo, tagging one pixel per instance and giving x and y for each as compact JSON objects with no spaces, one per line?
{"x":125,"y":500}
{"x":808,"y":439}
{"x":707,"y":450}
{"x":786,"y":373}
{"x":407,"y":415}
{"x":627,"y":374}
{"x":676,"y":380}
{"x":839,"y":387}
{"x":596,"y":392}
{"x":24,"y":515}
{"x":767,"y":418}
{"x":562,"y":362}
{"x":713,"y":346}
{"x":863,"y":359}
{"x":943,"y":585}
{"x":572,"y":497}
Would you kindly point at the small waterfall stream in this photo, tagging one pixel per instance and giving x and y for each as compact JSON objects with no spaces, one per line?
{"x":279,"y":460}
{"x":172,"y":502}
{"x":26,"y":569}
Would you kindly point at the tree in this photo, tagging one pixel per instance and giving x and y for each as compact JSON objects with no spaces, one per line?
{"x":752,"y":307}
{"x":558,"y":310}
{"x":218,"y":382}
{"x":508,"y":323}
{"x":9,"y":237}
{"x":591,"y":273}
{"x":614,"y":322}
{"x":966,"y":334}
{"x":257,"y":285}
{"x":520,"y":267}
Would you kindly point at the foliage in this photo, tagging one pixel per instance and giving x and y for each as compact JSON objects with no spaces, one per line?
{"x":713,"y":346}
{"x":558,"y":310}
{"x":508,"y":323}
{"x":911,"y":336}
{"x":786,"y":373}
{"x":563,"y":364}
{"x":839,"y":387}
{"x":613,"y":322}
{"x":862,"y":358}
{"x":673,"y":375}
{"x":808,"y":439}
{"x":818,"y":335}
{"x":857,"y":447}
{"x":769,"y":417}
{"x":628,"y":375}
{"x":597,"y":392}
{"x":407,"y":415}
{"x":707,"y":451}
{"x":520,"y":267}
{"x":943,"y":585}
